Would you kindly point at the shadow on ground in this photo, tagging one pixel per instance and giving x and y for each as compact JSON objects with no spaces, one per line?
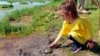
{"x":92,"y":8}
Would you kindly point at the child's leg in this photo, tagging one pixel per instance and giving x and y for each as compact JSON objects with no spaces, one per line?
{"x":77,"y":43}
{"x":75,"y":46}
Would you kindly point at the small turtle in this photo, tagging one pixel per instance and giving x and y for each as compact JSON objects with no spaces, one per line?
{"x":47,"y":51}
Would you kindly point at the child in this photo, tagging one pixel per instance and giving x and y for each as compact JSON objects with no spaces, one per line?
{"x":75,"y":28}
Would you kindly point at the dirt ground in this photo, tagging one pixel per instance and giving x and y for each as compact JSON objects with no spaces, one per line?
{"x":34,"y":45}
{"x":29,"y":46}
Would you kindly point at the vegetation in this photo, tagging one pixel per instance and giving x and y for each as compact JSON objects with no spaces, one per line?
{"x":6,"y":6}
{"x":47,"y":18}
{"x":96,"y":2}
{"x":25,"y":1}
{"x":6,"y":28}
{"x":44,"y":20}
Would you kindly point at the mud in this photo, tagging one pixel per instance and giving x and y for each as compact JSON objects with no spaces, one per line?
{"x":30,"y":46}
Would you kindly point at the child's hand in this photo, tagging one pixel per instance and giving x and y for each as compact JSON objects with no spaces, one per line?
{"x":90,"y":44}
{"x":52,"y":45}
{"x":55,"y":46}
{"x":55,"y":41}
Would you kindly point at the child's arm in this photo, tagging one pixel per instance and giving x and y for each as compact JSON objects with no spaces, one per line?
{"x":61,"y":33}
{"x":55,"y":41}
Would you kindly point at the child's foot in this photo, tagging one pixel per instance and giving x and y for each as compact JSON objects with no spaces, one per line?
{"x":75,"y":50}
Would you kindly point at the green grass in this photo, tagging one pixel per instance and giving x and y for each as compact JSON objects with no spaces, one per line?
{"x":94,"y":19}
{"x":47,"y":19}
{"x":15,"y":15}
{"x":6,"y":28}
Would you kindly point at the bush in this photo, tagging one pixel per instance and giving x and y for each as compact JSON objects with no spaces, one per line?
{"x":6,"y":6}
{"x":23,"y":2}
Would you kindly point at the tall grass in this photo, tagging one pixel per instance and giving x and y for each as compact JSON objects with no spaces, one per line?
{"x":15,"y":15}
{"x":6,"y":28}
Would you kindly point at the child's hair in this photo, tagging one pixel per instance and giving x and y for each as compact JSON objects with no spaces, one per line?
{"x":69,"y":5}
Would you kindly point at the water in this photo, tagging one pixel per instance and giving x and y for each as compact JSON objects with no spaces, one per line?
{"x":18,"y":6}
{"x":4,"y":2}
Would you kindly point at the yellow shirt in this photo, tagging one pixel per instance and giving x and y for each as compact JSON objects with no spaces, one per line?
{"x":80,"y":29}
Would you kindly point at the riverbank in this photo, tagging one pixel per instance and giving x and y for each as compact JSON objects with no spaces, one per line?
{"x":27,"y":31}
{"x":29,"y":20}
{"x":17,"y":6}
{"x":36,"y":16}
